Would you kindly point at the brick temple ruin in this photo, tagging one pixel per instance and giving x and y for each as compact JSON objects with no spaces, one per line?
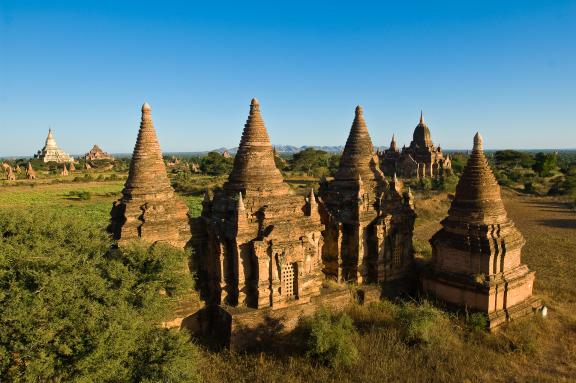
{"x":263,"y":253}
{"x":264,"y":242}
{"x":476,"y":255}
{"x":420,"y":159}
{"x":369,"y":221}
{"x":149,"y":209}
{"x":96,"y":153}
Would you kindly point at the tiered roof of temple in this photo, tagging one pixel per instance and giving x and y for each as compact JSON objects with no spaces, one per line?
{"x":149,"y":208}
{"x":51,"y":152}
{"x":420,"y":159}
{"x":97,"y":154}
{"x":369,"y":222}
{"x":265,"y":242}
{"x":476,"y":259}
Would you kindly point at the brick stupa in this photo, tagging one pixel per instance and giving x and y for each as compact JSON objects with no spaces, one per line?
{"x":476,"y":255}
{"x":149,"y":208}
{"x":30,"y":172}
{"x":10,"y":176}
{"x":369,"y":222}
{"x":264,"y":241}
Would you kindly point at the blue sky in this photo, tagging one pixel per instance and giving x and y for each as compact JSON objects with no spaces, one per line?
{"x":504,"y":68}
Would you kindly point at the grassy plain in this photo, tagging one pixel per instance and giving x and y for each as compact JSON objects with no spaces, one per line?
{"x":64,"y":197}
{"x":525,"y":351}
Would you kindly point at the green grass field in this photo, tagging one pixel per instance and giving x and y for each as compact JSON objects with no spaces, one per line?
{"x":62,"y":196}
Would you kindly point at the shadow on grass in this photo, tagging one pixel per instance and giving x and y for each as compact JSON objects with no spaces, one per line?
{"x":559,"y":223}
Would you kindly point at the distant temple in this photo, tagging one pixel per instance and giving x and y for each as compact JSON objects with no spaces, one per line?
{"x":51,"y":152}
{"x":30,"y":172}
{"x":97,"y":154}
{"x":420,"y":159}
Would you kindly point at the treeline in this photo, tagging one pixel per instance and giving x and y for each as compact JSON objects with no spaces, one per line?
{"x":543,"y":173}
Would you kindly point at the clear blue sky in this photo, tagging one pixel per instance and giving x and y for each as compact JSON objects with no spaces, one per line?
{"x":504,"y":68}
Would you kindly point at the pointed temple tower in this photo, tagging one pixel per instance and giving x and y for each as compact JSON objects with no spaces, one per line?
{"x":264,"y":242}
{"x":390,"y":158}
{"x":149,"y":208}
{"x":476,"y":255}
{"x":369,"y":222}
{"x":51,"y":151}
{"x":30,"y":172}
{"x":10,"y":176}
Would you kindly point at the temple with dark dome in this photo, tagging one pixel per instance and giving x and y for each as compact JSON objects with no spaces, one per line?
{"x":420,"y":159}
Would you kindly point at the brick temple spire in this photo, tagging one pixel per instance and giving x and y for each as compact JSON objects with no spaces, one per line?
{"x":149,"y":208}
{"x":393,"y":145}
{"x":359,"y":157}
{"x":478,"y":239}
{"x":421,"y":136}
{"x":254,"y":170}
{"x":147,"y":170}
{"x":477,"y":199}
{"x":30,"y":172}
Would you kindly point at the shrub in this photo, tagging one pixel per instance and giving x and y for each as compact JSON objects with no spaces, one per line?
{"x":477,"y":322}
{"x":417,"y":322}
{"x":80,"y":195}
{"x":331,"y":339}
{"x":70,"y":310}
{"x":422,"y":248}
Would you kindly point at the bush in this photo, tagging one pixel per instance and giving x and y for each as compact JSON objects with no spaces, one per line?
{"x":417,"y":322}
{"x":215,"y":164}
{"x":331,"y":339}
{"x":422,"y":248}
{"x":80,"y":195}
{"x":545,"y":163}
{"x":71,"y":310}
{"x":477,"y":322}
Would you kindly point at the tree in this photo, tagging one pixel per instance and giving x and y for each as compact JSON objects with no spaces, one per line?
{"x":311,"y":161}
{"x":71,"y":310}
{"x":544,"y":163}
{"x":215,"y":164}
{"x":513,"y":158}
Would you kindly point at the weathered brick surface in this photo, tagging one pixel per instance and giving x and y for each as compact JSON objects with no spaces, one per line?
{"x":369,"y":221}
{"x":476,"y":255}
{"x":263,"y":243}
{"x":149,"y":209}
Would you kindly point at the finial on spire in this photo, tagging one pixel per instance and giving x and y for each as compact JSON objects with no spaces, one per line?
{"x":146,"y":107}
{"x":478,"y":142}
{"x":254,"y":101}
{"x":393,"y":137}
{"x":240,"y":205}
{"x":421,"y":117}
{"x":311,"y":197}
{"x":359,"y":110}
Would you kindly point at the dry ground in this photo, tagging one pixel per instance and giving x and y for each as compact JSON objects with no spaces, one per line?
{"x":549,"y":226}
